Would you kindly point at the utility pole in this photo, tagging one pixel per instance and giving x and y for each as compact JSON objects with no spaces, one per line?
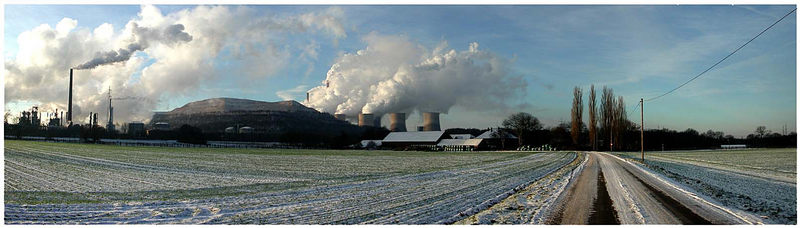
{"x":611,"y":141}
{"x":641,"y":102}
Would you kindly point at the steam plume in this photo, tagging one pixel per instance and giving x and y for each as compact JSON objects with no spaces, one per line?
{"x":395,"y":75}
{"x":144,"y":36}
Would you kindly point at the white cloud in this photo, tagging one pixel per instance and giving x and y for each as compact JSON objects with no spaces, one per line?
{"x":293,"y":93}
{"x":177,"y":66}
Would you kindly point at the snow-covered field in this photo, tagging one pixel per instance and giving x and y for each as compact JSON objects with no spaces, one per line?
{"x":86,"y":184}
{"x":758,"y":181}
{"x":533,"y":204}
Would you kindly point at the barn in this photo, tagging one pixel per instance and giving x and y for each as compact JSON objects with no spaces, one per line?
{"x":413,"y":138}
{"x":461,"y":144}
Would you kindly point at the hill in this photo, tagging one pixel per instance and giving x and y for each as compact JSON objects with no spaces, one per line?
{"x":269,"y":120}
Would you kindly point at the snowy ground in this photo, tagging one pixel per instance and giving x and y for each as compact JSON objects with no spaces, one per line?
{"x":88,"y":184}
{"x":743,"y":180}
{"x":534,"y":203}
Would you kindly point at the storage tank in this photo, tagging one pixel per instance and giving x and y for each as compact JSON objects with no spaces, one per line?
{"x":397,"y":122}
{"x":430,"y":121}
{"x":230,"y":130}
{"x":245,"y":130}
{"x":365,"y":120}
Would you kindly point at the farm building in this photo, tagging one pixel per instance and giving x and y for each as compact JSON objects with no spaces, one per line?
{"x":495,"y":138}
{"x":404,"y":139}
{"x":461,"y":144}
{"x":734,"y":146}
{"x":461,"y":136}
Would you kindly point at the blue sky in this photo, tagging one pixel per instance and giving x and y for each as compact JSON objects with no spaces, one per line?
{"x":639,"y":51}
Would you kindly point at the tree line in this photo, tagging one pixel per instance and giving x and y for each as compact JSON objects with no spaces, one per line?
{"x":608,"y":128}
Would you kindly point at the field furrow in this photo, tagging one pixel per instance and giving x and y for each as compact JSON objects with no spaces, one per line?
{"x":107,"y":185}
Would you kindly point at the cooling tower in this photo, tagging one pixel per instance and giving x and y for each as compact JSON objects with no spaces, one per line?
{"x":397,"y":121}
{"x":377,"y":119}
{"x":365,"y":120}
{"x":341,"y":116}
{"x":430,"y":121}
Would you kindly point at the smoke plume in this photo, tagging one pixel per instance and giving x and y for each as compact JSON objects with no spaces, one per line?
{"x":144,"y":36}
{"x":392,"y":74}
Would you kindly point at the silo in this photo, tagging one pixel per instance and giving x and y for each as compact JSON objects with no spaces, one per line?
{"x":397,"y":122}
{"x":365,"y":120}
{"x":430,"y":121}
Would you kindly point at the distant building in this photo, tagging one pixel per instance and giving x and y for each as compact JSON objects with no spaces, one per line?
{"x":462,"y":136}
{"x":495,"y":139}
{"x":735,"y":146}
{"x":230,"y":130}
{"x":162,"y":126}
{"x":461,"y":144}
{"x":404,"y":139}
{"x":245,"y":130}
{"x":136,"y":129}
{"x":494,"y":133}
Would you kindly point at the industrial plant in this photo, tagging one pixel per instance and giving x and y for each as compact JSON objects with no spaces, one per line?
{"x":233,"y":119}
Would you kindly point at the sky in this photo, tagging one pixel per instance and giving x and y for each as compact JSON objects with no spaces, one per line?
{"x":474,"y":64}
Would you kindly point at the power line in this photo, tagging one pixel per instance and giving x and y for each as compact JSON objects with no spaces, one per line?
{"x":634,"y":109}
{"x":723,"y":59}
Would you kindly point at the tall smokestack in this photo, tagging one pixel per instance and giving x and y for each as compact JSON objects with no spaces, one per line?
{"x":365,"y":120}
{"x":430,"y":121}
{"x":69,"y":105}
{"x":110,"y":124}
{"x":397,"y":121}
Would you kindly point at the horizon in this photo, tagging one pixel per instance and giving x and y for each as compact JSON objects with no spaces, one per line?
{"x":639,"y":51}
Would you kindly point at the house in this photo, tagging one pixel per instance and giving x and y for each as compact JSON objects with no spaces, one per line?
{"x":496,"y":139}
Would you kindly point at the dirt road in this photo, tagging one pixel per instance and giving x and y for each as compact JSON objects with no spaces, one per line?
{"x":610,"y":190}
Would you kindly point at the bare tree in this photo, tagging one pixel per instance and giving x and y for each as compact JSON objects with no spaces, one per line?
{"x":592,"y":118}
{"x":620,"y":122}
{"x":577,"y":115}
{"x":520,"y":123}
{"x":761,"y":131}
{"x":502,"y":135}
{"x":607,"y":115}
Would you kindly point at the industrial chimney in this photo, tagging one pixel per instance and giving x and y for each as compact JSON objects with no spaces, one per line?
{"x":430,"y":121}
{"x":110,"y":124}
{"x":397,"y":122}
{"x":69,"y":105}
{"x":365,"y":120}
